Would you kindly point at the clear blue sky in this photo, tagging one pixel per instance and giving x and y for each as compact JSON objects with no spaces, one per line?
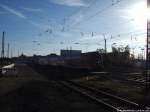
{"x":46,"y":26}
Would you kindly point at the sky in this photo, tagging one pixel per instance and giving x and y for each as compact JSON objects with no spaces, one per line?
{"x":45,"y":26}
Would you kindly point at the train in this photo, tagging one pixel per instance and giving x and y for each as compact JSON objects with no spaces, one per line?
{"x":90,"y":60}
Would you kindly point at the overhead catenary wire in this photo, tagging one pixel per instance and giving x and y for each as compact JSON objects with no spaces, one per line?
{"x":111,"y":37}
{"x":93,"y":2}
{"x":97,"y":13}
{"x":84,"y":20}
{"x":81,"y":9}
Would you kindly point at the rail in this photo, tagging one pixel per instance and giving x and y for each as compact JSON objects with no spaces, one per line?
{"x":109,"y":101}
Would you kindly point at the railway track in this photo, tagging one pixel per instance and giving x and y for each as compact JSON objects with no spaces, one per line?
{"x":110,"y":102}
{"x":139,"y":81}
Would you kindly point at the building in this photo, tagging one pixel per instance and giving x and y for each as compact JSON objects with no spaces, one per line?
{"x":68,"y":53}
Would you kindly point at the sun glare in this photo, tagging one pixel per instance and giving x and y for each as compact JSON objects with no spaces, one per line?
{"x":139,"y":13}
{"x":148,"y":13}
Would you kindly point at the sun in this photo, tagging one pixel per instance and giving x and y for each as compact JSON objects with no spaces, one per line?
{"x":139,"y":13}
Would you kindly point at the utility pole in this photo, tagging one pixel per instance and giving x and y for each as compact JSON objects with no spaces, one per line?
{"x":147,"y":88}
{"x":142,"y":49}
{"x":3,"y":45}
{"x":18,"y":53}
{"x":8,"y":51}
{"x":105,"y":51}
{"x":11,"y":53}
{"x":105,"y":44}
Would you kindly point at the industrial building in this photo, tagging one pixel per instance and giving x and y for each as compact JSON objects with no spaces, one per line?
{"x":65,"y":53}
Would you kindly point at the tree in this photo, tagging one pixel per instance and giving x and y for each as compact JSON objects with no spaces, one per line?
{"x":120,"y":55}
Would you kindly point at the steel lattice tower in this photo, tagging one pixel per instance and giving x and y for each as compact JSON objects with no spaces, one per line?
{"x":148,"y":59}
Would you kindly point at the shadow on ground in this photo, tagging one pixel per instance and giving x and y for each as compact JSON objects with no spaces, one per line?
{"x":36,"y":96}
{"x":59,"y":72}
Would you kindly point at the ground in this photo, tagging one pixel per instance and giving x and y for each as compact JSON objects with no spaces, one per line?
{"x":116,"y":84}
{"x":29,"y":91}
